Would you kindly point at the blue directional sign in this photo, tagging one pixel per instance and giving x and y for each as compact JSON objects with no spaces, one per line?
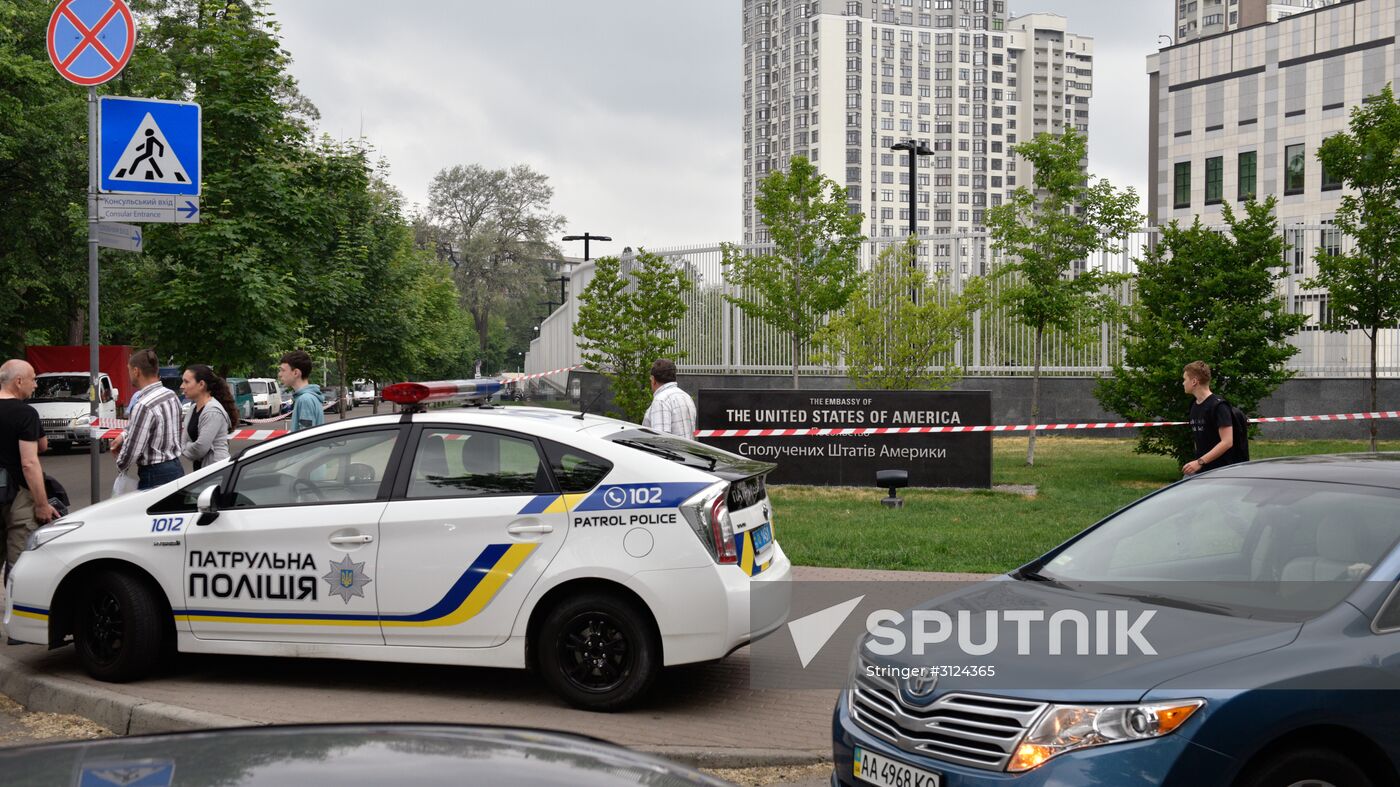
{"x":148,"y":146}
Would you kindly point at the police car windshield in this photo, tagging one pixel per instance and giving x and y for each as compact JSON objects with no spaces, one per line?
{"x":67,"y":388}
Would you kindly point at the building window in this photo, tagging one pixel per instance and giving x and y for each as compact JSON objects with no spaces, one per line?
{"x":1215,"y":180}
{"x":1248,"y":175}
{"x":1329,"y":182}
{"x":1181,"y":185}
{"x":1294,"y":169}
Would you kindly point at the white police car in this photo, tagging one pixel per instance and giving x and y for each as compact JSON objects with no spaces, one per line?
{"x":591,"y":549}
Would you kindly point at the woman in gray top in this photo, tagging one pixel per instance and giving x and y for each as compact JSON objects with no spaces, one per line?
{"x":207,"y":424}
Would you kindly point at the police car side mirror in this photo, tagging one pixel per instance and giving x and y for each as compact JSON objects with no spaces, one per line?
{"x":208,"y":505}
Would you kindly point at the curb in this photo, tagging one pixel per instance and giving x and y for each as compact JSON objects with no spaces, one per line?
{"x":124,"y":714}
{"x":120,"y":713}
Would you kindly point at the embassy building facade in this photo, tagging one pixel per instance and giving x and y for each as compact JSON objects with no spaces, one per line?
{"x":1242,"y":114}
{"x":840,"y":81}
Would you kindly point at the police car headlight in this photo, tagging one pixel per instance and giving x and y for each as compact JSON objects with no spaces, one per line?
{"x":48,"y":533}
{"x":1065,"y":728}
{"x":80,"y":422}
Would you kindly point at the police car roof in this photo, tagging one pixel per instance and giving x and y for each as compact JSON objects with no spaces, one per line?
{"x":1378,"y":469}
{"x":515,"y":418}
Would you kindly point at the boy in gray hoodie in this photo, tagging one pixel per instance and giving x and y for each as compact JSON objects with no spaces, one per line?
{"x":307,"y":408}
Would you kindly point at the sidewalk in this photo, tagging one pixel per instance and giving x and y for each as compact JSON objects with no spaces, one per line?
{"x":703,"y":714}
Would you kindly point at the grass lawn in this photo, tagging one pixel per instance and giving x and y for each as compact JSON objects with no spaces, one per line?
{"x":1080,"y":481}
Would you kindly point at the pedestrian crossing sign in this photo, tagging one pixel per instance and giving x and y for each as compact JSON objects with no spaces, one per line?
{"x":148,"y":146}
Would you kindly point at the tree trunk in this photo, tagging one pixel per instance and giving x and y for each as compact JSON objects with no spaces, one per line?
{"x":340,"y":405}
{"x":482,"y":319}
{"x":1375,"y":334}
{"x":1035,"y":394}
{"x":796,"y":350}
{"x":76,"y":323}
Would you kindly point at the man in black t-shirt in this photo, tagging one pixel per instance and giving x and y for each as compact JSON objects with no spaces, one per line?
{"x":24,"y":503}
{"x":1212,"y":426}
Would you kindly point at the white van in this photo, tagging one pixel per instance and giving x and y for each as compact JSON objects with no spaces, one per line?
{"x":267,"y":397}
{"x":61,"y":398}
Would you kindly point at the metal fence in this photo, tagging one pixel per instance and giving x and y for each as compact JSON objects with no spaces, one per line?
{"x":719,"y":338}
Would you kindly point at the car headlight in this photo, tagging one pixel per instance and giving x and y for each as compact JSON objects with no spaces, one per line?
{"x":1065,"y":728}
{"x":48,"y":533}
{"x":80,"y":422}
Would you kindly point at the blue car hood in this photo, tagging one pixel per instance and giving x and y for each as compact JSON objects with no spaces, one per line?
{"x":1180,"y":641}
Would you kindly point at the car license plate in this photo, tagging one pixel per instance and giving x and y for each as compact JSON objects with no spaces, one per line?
{"x":879,"y":769}
{"x":762,"y":537}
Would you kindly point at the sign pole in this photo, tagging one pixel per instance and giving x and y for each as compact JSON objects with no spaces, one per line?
{"x":95,"y":469}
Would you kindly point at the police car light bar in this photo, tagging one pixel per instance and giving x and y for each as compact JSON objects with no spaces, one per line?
{"x":440,"y":391}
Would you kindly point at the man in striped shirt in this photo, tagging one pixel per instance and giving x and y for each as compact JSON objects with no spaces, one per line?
{"x":152,"y":438}
{"x":672,"y":410}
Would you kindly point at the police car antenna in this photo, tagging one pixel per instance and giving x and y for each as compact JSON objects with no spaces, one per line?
{"x":583,"y":408}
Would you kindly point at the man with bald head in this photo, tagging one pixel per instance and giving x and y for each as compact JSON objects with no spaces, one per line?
{"x":24,"y":503}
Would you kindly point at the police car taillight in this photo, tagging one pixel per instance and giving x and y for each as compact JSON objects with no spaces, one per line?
{"x":440,"y":391}
{"x":708,"y":515}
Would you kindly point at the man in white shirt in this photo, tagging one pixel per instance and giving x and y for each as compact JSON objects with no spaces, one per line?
{"x":672,"y":410}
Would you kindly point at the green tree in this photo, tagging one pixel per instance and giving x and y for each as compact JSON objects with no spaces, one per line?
{"x":627,"y":319}
{"x":1363,"y":285}
{"x":890,"y":340}
{"x":1210,"y":296}
{"x":43,"y":186}
{"x":495,"y":227}
{"x":227,"y":291}
{"x":1045,"y":232}
{"x":814,"y":266}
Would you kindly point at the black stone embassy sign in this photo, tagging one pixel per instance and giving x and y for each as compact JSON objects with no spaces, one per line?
{"x":932,"y":459}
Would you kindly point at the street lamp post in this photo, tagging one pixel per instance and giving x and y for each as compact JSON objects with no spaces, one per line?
{"x":915,"y":149}
{"x":586,"y":237}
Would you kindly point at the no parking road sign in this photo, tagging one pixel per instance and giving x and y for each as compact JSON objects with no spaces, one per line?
{"x":90,"y":41}
{"x":148,"y":146}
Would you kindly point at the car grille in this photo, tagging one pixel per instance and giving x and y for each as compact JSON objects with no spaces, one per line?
{"x":747,"y":492}
{"x":977,"y":730}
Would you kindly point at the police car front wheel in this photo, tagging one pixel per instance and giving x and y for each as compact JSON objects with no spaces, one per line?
{"x":597,"y":652}
{"x":117,"y":630}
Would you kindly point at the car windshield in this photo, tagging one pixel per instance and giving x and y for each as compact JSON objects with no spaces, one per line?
{"x":65,"y":388}
{"x":365,"y":387}
{"x":1245,"y":547}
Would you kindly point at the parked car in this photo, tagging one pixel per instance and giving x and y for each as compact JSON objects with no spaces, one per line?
{"x":1276,"y":582}
{"x":347,"y":755}
{"x":267,"y":396}
{"x":61,"y":399}
{"x":366,"y":392}
{"x":242,"y":396}
{"x":340,"y":400}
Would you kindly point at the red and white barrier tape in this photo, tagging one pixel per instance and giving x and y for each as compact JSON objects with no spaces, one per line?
{"x":522,"y":377}
{"x":112,"y":430}
{"x":848,"y":432}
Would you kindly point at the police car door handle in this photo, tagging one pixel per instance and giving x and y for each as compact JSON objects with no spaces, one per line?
{"x":360,"y":539}
{"x":520,"y":530}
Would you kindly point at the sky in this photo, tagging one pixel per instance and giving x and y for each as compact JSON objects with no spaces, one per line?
{"x":631,"y":107}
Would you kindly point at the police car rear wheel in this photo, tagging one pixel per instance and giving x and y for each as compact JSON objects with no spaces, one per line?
{"x":597,"y":653}
{"x":118,"y":633}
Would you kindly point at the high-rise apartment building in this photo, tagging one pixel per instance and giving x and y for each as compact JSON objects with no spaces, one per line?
{"x":840,"y":81}
{"x":1051,"y":78}
{"x":1199,"y":18}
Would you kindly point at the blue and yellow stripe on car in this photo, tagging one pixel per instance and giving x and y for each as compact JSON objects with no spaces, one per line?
{"x":743,"y":544}
{"x":34,"y":613}
{"x":552,"y":504}
{"x":469,"y":595}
